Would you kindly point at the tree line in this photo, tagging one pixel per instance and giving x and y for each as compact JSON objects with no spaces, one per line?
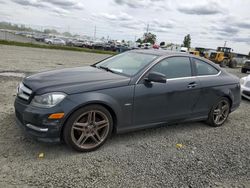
{"x":151,"y":38}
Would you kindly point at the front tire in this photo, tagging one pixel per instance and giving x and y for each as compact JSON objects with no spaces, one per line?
{"x":219,"y":112}
{"x":88,"y":128}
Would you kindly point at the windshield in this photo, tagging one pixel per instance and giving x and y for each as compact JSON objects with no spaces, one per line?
{"x":128,"y":63}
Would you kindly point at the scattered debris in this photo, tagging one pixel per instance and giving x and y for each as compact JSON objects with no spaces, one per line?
{"x":179,"y":145}
{"x":41,"y":155}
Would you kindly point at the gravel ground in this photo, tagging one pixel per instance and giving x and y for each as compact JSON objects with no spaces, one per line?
{"x":210,"y":157}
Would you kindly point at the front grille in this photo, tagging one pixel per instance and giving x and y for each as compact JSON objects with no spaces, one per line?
{"x":24,"y":92}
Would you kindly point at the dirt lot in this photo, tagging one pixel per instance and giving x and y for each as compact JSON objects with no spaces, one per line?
{"x":210,"y":157}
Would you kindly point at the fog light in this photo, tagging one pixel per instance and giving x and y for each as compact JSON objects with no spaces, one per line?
{"x":56,"y":116}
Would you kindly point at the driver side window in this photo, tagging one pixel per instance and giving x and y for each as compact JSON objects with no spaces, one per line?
{"x":174,"y":67}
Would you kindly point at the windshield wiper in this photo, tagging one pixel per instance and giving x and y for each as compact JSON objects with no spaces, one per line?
{"x":106,"y":68}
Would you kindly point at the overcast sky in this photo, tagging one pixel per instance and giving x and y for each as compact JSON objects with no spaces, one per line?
{"x":210,"y":22}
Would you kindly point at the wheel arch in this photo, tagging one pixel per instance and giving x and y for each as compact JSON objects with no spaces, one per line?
{"x":229,"y":97}
{"x":101,"y":103}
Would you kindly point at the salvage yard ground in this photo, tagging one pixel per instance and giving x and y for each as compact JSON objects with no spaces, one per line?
{"x":210,"y":157}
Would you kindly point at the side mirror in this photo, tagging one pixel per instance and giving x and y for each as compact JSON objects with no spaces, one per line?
{"x":155,"y":77}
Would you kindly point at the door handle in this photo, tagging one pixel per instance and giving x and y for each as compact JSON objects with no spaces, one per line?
{"x":192,"y":85}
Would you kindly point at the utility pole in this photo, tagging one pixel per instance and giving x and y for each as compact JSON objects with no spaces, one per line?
{"x":95,"y":33}
{"x":147,"y":28}
{"x":225,"y":43}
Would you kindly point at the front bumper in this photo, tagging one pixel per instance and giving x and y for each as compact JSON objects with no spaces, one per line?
{"x":245,"y":92}
{"x":35,"y":123}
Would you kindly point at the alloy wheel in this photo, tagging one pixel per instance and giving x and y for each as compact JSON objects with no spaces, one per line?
{"x":221,"y":112}
{"x":90,"y":129}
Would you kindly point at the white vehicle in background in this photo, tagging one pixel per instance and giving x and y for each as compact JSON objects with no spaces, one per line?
{"x":145,"y":45}
{"x":55,"y":41}
{"x":184,"y":49}
{"x":245,"y":87}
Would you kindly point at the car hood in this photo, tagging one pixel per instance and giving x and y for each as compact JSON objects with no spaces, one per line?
{"x":74,"y":80}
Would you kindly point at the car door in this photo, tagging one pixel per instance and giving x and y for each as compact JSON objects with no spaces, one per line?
{"x":56,"y":41}
{"x":208,"y":77}
{"x":170,"y":101}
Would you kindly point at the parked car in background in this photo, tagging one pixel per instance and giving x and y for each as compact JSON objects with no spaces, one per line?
{"x":246,"y":66}
{"x":156,"y":46}
{"x":245,"y":87}
{"x":184,"y":49}
{"x":40,"y":37}
{"x":98,"y":45}
{"x":55,"y":41}
{"x":78,"y":43}
{"x":134,"y":90}
{"x":88,"y":44}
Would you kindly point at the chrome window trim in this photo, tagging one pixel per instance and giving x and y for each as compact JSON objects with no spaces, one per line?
{"x":158,"y":60}
{"x":203,"y":76}
{"x":209,"y":75}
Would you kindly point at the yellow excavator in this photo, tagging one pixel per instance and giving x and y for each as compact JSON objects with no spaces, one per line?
{"x":194,"y":52}
{"x":224,"y":57}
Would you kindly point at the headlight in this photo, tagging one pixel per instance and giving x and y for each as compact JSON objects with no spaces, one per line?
{"x":242,"y":81}
{"x":47,"y":100}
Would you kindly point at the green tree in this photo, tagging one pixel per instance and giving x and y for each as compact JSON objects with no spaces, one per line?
{"x":50,"y":31}
{"x":187,"y":41}
{"x":67,"y":34}
{"x":139,"y":40}
{"x":149,"y":37}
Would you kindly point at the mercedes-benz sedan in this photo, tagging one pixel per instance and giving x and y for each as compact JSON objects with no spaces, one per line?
{"x":134,"y":90}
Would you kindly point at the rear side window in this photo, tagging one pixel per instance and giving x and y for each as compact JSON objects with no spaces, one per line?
{"x":174,"y":67}
{"x":204,"y":68}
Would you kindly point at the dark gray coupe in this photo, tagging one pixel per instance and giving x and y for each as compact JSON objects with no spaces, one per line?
{"x":134,"y":90}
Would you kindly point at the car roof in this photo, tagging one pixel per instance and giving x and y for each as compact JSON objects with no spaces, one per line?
{"x":159,"y":52}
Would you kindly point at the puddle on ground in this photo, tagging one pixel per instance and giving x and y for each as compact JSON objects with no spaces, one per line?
{"x":12,"y":74}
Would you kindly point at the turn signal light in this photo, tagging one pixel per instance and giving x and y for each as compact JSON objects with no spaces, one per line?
{"x":56,"y":116}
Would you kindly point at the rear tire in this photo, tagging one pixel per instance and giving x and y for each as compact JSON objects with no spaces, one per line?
{"x":88,"y":128}
{"x":219,"y":112}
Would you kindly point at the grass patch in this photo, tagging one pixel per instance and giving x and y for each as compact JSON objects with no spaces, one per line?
{"x":45,"y":46}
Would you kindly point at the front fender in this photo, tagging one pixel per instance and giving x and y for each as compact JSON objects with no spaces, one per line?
{"x":120,"y":100}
